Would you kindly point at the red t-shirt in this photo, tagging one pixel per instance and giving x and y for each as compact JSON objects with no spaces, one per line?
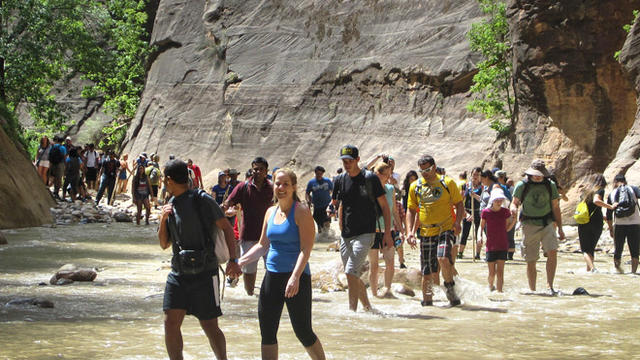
{"x":197,"y":174}
{"x":496,"y":229}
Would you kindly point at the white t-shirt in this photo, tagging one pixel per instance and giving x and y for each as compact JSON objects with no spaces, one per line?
{"x":92,"y":156}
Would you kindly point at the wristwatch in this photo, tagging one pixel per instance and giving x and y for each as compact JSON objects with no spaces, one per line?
{"x":233,"y":260}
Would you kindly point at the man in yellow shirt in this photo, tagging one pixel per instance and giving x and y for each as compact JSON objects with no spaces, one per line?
{"x":433,"y":196}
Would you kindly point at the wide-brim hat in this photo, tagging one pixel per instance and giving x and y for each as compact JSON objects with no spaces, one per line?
{"x":537,"y":168}
{"x":496,"y":194}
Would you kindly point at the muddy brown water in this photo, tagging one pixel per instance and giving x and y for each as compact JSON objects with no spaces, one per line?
{"x":119,"y":316}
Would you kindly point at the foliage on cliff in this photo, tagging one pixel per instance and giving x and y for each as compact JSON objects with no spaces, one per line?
{"x":492,"y":82}
{"x":45,"y":43}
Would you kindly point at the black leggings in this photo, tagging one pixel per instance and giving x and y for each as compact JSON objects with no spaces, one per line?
{"x":629,"y":232}
{"x":466,"y":229}
{"x":272,"y":301}
{"x":589,"y":234}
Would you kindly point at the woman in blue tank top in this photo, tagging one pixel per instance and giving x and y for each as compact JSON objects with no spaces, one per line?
{"x":287,"y":238}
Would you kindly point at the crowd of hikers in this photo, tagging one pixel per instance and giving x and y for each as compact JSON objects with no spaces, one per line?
{"x":377,"y":210}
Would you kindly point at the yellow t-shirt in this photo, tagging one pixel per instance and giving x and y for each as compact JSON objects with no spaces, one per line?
{"x":435,"y":204}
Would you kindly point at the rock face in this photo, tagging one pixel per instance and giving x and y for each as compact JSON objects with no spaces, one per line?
{"x":24,"y":200}
{"x":294,"y":82}
{"x":576,"y":102}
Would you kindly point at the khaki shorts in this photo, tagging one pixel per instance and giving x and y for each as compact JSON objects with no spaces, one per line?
{"x":534,"y":235}
{"x":354,"y":251}
{"x":250,"y":268}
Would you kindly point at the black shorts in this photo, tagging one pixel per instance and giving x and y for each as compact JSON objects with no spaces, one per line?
{"x":198,"y":294}
{"x":91,"y":174}
{"x":496,"y":255}
{"x":428,"y":255}
{"x":377,"y":242}
{"x":154,"y":190}
{"x":320,"y":215}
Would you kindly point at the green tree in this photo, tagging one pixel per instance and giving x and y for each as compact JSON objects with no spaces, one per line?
{"x":492,"y":83}
{"x":44,"y":43}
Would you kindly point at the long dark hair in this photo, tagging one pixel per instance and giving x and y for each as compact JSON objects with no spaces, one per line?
{"x":406,"y":183}
{"x":489,"y":174}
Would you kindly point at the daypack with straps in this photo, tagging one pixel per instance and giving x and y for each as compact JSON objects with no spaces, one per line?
{"x":153,"y":175}
{"x":626,"y":199}
{"x":546,"y":218}
{"x":55,"y":154}
{"x":582,"y":215}
{"x":212,"y":253}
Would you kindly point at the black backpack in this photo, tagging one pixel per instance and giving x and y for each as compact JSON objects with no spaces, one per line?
{"x":626,"y":199}
{"x":55,"y":154}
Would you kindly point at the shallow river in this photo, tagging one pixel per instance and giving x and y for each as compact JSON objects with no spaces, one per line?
{"x":119,"y":315}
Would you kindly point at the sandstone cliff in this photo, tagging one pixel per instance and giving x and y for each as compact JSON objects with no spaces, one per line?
{"x":295,"y":81}
{"x":24,"y":200}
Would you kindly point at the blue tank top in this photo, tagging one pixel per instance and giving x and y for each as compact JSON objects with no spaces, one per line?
{"x":284,"y":247}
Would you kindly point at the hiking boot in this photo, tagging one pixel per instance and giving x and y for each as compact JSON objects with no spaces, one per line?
{"x":451,"y":293}
{"x":477,"y":257}
{"x":403,"y":266}
{"x":426,"y":303}
{"x":459,"y":256}
{"x":510,"y":256}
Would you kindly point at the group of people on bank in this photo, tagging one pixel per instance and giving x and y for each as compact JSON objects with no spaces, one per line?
{"x":434,"y":213}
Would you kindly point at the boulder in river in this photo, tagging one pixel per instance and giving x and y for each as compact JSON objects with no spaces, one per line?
{"x":3,"y":239}
{"x":72,"y":274}
{"x":403,"y":289}
{"x":122,"y":216}
{"x":43,"y":303}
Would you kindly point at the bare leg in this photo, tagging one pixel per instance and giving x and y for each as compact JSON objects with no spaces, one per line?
{"x":147,"y":208}
{"x":447,"y":269}
{"x":427,"y":288}
{"x":531,"y":275}
{"x":249,"y":282}
{"x":373,"y":271}
{"x":500,"y":275}
{"x":269,"y":352}
{"x":315,"y":351}
{"x":216,"y":338}
{"x":552,"y":263}
{"x":388,"y":255}
{"x":139,"y":212}
{"x":492,"y":274}
{"x":172,"y":334}
{"x":400,"y":250}
{"x":589,"y":260}
{"x":357,"y":291}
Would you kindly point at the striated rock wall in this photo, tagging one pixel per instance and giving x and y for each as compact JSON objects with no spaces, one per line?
{"x":295,"y":81}
{"x":24,"y":200}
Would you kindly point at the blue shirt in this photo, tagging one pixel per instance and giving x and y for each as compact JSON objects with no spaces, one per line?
{"x":320,"y":191}
{"x":284,"y":247}
{"x":219,"y":192}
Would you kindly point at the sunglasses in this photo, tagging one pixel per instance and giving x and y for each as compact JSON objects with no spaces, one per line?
{"x":429,"y":169}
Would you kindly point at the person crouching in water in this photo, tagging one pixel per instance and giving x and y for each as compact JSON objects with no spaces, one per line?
{"x":496,"y":221}
{"x":287,"y":237}
{"x":140,"y":191}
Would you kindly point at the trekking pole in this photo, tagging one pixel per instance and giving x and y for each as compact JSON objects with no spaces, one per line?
{"x":473,"y":219}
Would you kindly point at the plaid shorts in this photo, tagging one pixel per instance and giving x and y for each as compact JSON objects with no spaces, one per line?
{"x":444,"y":241}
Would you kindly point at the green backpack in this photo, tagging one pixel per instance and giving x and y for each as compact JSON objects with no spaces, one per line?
{"x":581,"y":214}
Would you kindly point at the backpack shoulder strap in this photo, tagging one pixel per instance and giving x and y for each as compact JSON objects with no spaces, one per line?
{"x":205,"y":228}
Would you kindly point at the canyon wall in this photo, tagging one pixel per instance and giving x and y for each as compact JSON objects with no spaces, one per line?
{"x":293,"y":82}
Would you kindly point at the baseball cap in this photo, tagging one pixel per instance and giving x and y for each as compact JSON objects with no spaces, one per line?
{"x":349,"y":152}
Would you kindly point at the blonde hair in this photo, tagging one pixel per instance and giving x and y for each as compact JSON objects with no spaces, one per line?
{"x":294,"y":181}
{"x":381,"y":167}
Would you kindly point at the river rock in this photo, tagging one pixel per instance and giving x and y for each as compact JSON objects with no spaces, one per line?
{"x":3,"y":239}
{"x":403,"y":289}
{"x":75,"y":275}
{"x":43,"y":303}
{"x":122,"y":216}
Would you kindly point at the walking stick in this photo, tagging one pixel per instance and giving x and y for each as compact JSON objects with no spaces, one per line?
{"x":473,"y":219}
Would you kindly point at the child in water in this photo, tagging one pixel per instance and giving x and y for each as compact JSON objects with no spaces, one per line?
{"x":497,"y":221}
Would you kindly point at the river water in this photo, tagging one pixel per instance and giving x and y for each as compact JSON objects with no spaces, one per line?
{"x":119,"y":315}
